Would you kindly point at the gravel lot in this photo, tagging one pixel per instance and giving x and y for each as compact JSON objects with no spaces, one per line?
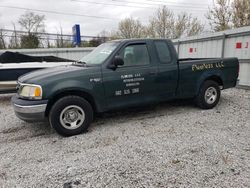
{"x":169,"y":145}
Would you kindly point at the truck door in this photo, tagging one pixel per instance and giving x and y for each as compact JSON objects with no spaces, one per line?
{"x":167,"y":78}
{"x":132,"y":83}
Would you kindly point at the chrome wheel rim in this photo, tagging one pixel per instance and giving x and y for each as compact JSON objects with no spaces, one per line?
{"x":72,"y":117}
{"x":211,"y":95}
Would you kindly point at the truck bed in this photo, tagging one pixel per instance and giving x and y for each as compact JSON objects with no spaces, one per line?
{"x":192,"y":72}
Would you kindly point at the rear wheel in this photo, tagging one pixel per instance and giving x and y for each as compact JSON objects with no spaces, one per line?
{"x":209,"y":95}
{"x":71,"y":115}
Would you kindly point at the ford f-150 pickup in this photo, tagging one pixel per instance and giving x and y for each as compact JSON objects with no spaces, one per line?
{"x":120,"y":74}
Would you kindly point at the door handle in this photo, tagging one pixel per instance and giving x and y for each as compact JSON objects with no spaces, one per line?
{"x":153,"y":72}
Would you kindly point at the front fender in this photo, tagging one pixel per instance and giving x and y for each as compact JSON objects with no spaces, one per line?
{"x":67,"y":85}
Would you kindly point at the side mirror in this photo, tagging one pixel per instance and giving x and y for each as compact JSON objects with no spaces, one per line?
{"x":118,"y":61}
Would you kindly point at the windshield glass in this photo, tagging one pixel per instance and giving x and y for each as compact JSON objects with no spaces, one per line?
{"x":100,"y":54}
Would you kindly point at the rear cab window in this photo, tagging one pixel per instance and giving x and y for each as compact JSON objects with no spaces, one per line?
{"x":163,"y":52}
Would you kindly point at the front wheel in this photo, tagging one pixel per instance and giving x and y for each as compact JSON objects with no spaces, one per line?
{"x":209,"y":95}
{"x":71,"y":115}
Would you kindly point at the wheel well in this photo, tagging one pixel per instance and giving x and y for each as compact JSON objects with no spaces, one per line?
{"x":82,"y":94}
{"x":216,"y":79}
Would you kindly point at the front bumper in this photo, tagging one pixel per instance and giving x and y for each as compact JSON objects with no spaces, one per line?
{"x":29,"y":110}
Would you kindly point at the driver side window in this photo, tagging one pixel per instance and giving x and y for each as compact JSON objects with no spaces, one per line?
{"x":135,"y":54}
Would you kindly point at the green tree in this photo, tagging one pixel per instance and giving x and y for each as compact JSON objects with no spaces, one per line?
{"x":195,"y":27}
{"x":33,"y":24}
{"x":241,"y":13}
{"x":2,"y":40}
{"x":95,"y":42}
{"x":165,"y":24}
{"x":29,"y":41}
{"x":130,"y":28}
{"x":14,"y":41}
{"x":161,"y":23}
{"x":220,"y":15}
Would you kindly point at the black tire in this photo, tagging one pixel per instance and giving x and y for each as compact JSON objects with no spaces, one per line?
{"x":205,"y":102}
{"x":78,"y":107}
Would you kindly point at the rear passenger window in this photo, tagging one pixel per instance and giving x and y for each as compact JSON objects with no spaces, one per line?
{"x":163,"y":52}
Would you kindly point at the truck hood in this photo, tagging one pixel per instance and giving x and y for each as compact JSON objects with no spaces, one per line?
{"x":43,"y":75}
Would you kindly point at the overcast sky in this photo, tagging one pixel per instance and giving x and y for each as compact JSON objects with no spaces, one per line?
{"x":102,"y":17}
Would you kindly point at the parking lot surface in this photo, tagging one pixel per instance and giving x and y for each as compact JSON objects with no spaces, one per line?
{"x":169,"y":145}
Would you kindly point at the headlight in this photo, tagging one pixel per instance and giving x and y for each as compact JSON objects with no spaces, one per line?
{"x":30,"y":91}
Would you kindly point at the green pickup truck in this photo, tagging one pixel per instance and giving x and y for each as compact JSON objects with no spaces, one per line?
{"x":120,"y":74}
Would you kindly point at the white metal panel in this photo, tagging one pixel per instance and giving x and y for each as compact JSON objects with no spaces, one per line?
{"x":184,"y":51}
{"x":231,"y":49}
{"x":206,"y":49}
{"x":217,"y":48}
{"x":245,"y":73}
{"x":203,"y":48}
{"x":212,"y":35}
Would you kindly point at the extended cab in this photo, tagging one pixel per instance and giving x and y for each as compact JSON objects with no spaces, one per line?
{"x":120,"y":74}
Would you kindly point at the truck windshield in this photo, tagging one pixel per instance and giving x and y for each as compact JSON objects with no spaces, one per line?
{"x":100,"y":54}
